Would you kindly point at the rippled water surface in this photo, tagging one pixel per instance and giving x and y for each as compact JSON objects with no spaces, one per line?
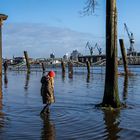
{"x":73,"y":116}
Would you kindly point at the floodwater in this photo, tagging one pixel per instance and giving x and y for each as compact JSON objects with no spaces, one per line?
{"x":73,"y":116}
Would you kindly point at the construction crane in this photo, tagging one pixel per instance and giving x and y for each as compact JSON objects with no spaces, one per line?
{"x":131,"y":40}
{"x":98,"y":48}
{"x":90,"y":48}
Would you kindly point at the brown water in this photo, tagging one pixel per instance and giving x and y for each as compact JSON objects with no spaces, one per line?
{"x":73,"y":116}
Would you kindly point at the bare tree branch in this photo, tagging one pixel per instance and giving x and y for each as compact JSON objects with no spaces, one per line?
{"x":89,"y":7}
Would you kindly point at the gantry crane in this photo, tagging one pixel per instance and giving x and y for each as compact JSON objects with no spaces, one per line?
{"x":131,"y":40}
{"x":90,"y":48}
{"x":98,"y":48}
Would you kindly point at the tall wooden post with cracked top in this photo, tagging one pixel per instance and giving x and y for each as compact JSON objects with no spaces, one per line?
{"x":2,"y":18}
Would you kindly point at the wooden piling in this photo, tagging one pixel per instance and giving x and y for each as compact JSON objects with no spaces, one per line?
{"x":124,"y":57}
{"x":2,"y":17}
{"x":5,"y":66}
{"x":27,"y":61}
{"x":43,"y":67}
{"x":88,"y":67}
{"x":63,"y":66}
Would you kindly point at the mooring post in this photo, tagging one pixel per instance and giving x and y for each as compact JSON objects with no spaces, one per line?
{"x":43,"y":67}
{"x":5,"y":66}
{"x":2,"y":18}
{"x":27,"y":61}
{"x":124,"y":57}
{"x":88,"y":67}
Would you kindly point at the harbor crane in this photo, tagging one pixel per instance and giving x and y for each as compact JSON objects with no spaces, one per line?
{"x":90,"y":48}
{"x":131,"y":40}
{"x":98,"y":48}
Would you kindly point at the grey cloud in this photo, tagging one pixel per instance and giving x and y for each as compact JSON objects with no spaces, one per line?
{"x":41,"y":40}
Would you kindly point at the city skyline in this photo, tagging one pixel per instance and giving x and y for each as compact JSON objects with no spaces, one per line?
{"x":49,"y":26}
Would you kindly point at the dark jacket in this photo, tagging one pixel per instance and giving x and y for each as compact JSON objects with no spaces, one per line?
{"x":47,"y":90}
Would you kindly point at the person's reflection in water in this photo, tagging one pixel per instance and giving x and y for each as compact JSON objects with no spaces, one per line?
{"x":125,"y":89}
{"x":27,"y":81}
{"x":48,"y":130}
{"x":112,"y":122}
{"x":5,"y":80}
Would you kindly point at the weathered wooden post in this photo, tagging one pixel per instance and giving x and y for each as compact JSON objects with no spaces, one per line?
{"x":5,"y":66}
{"x":63,"y":66}
{"x":88,"y":67}
{"x":111,"y":95}
{"x":124,"y":57}
{"x":2,"y":18}
{"x":27,"y":61}
{"x":43,"y":67}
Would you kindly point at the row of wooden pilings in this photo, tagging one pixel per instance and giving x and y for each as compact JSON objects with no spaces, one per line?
{"x":70,"y":64}
{"x":70,"y":67}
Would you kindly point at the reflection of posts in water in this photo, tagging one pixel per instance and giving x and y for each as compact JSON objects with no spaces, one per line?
{"x":88,"y":67}
{"x":70,"y":69}
{"x":27,"y":81}
{"x":112,"y":122}
{"x":48,"y":130}
{"x":1,"y":116}
{"x":63,"y":76}
{"x":88,"y":78}
{"x":125,"y":89}
{"x":5,"y":80}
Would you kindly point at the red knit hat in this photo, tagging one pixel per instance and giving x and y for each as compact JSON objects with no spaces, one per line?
{"x":51,"y":73}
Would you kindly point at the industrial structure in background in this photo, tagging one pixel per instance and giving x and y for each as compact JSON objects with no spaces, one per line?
{"x":93,"y":58}
{"x":98,"y":48}
{"x":74,"y":55}
{"x":91,"y":48}
{"x":130,"y":51}
{"x":133,"y":56}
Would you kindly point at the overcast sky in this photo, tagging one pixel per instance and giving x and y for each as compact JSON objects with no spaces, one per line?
{"x":45,"y":26}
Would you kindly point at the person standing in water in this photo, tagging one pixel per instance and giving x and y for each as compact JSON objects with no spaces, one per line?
{"x":47,"y":91}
